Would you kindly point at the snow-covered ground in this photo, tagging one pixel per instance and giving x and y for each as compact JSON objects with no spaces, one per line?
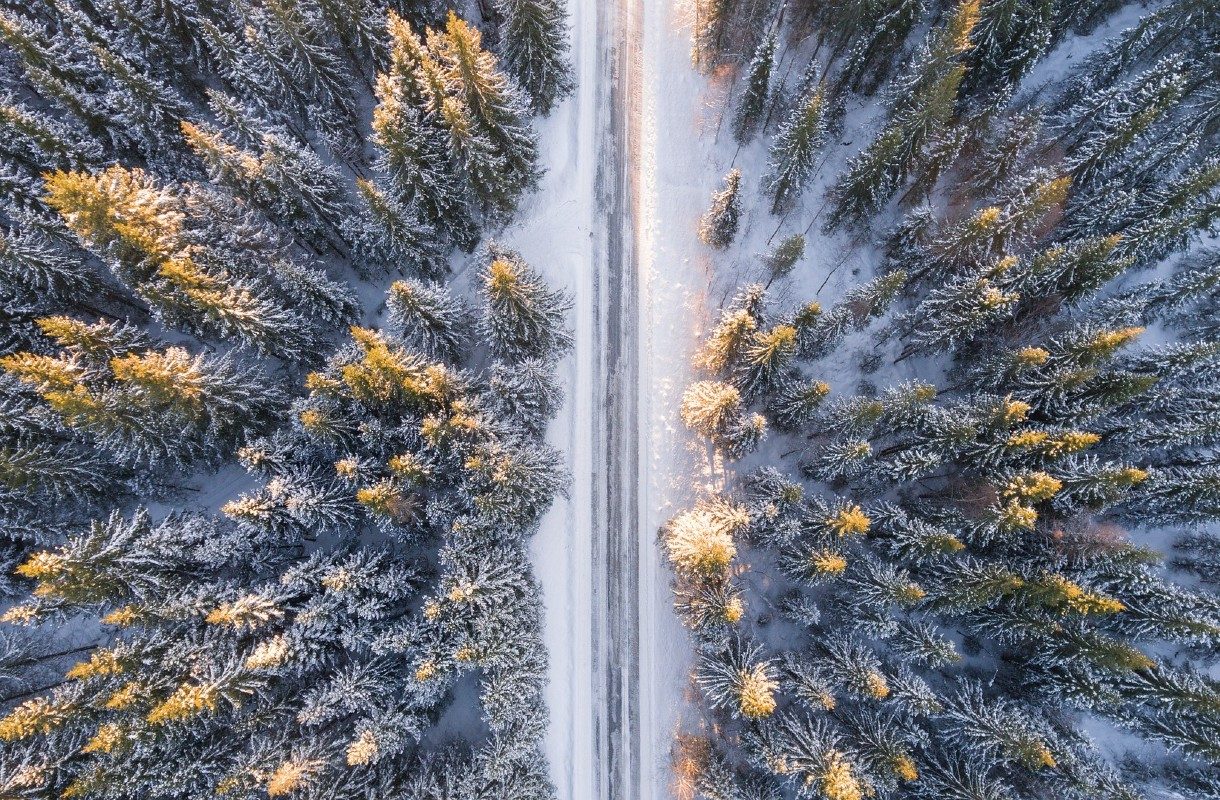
{"x":677,"y":172}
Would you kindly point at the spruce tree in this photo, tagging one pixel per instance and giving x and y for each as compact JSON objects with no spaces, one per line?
{"x":496,"y":106}
{"x":871,"y":58}
{"x":192,"y":176}
{"x":796,"y":147}
{"x":1010,"y":37}
{"x":413,"y":145}
{"x":924,"y":106}
{"x":144,"y":232}
{"x":144,"y":408}
{"x":392,"y":236}
{"x":534,"y":34}
{"x":752,"y":106}
{"x":430,"y":318}
{"x":719,"y":225}
{"x":523,"y":317}
{"x":783,"y":258}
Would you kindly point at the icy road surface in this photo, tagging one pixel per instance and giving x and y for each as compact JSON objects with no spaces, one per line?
{"x":614,"y":221}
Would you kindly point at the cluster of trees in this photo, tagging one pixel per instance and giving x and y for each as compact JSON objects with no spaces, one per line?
{"x":191,"y":192}
{"x":930,"y":590}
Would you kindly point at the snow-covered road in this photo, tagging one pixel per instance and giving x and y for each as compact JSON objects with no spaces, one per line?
{"x":613,"y":222}
{"x":617,"y":547}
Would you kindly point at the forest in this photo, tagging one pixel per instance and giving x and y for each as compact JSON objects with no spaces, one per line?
{"x":285,"y":408}
{"x":272,"y":398}
{"x":965,"y":543}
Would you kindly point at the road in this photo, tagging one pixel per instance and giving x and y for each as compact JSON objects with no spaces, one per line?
{"x":617,"y":655}
{"x":617,"y":548}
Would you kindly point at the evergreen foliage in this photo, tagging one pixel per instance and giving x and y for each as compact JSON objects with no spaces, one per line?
{"x":535,"y":47}
{"x":190,"y":189}
{"x":719,"y":224}
{"x":989,"y":571}
{"x":796,"y":147}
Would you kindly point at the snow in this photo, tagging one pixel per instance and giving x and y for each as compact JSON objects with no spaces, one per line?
{"x":555,"y":234}
{"x":677,"y":176}
{"x":675,"y":161}
{"x":686,"y":150}
{"x":557,"y":231}
{"x":678,"y":152}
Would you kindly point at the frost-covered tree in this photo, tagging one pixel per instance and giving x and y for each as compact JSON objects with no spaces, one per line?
{"x":430,"y":318}
{"x":752,"y":105}
{"x":391,"y":235}
{"x":796,"y":147}
{"x":178,"y":253}
{"x":495,"y":104}
{"x":524,"y":318}
{"x":718,"y":226}
{"x":783,"y":258}
{"x":145,"y":406}
{"x":738,"y":680}
{"x":187,"y":190}
{"x":534,"y":36}
{"x":924,"y":107}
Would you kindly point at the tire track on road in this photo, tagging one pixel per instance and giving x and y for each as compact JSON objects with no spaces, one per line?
{"x":616,"y":550}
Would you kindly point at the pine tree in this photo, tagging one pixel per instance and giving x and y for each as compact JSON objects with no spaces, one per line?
{"x":765,"y":359}
{"x":1106,"y":125}
{"x":711,"y":18}
{"x":358,"y":25}
{"x":150,"y":406}
{"x":1010,"y":37}
{"x":718,"y":226}
{"x":46,"y":473}
{"x":724,"y":346}
{"x":954,"y":314}
{"x":288,"y":36}
{"x":535,"y":47}
{"x":752,"y":106}
{"x":42,"y":142}
{"x":711,"y":408}
{"x":796,"y":147}
{"x":1077,"y":270}
{"x":474,"y":154}
{"x":524,"y":318}
{"x":114,"y":562}
{"x":288,"y":181}
{"x":744,"y":437}
{"x":806,"y":752}
{"x":145,"y":233}
{"x":711,"y":609}
{"x":137,"y":101}
{"x":870,"y":180}
{"x":997,"y":729}
{"x":795,"y":402}
{"x":35,"y":266}
{"x":1006,"y":150}
{"x":1169,"y":218}
{"x":526,"y":392}
{"x":1176,"y":495}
